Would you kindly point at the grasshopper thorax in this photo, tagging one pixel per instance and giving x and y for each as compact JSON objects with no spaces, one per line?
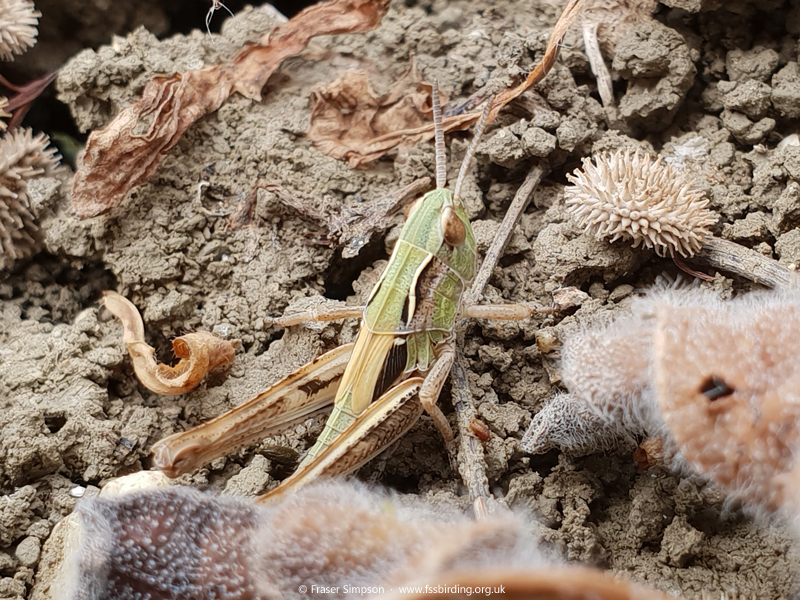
{"x":439,"y":226}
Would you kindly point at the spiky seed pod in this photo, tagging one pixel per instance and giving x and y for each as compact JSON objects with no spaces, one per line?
{"x":18,"y":21}
{"x":624,"y":196}
{"x":3,"y":113}
{"x":23,"y":157}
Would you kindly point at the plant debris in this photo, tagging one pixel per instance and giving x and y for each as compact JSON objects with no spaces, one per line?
{"x":199,"y":352}
{"x":130,"y":149}
{"x":23,"y":157}
{"x":347,"y":114}
{"x":633,"y":197}
{"x":378,"y":146}
{"x":18,"y":21}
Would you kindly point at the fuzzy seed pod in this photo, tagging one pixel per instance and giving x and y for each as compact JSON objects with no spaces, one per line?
{"x":624,"y":196}
{"x":18,"y":21}
{"x":23,"y":157}
{"x":727,"y":386}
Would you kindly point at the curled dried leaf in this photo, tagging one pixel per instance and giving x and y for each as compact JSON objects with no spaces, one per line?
{"x":199,"y":352}
{"x":347,"y":114}
{"x":126,"y":152}
{"x":408,"y":136}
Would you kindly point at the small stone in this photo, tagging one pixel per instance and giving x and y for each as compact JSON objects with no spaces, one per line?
{"x":745,"y":130}
{"x":7,"y":563}
{"x":681,"y":542}
{"x":787,"y":247}
{"x":598,"y":291}
{"x":40,"y":529}
{"x":537,"y":142}
{"x":572,"y":132}
{"x":504,"y":149}
{"x":11,"y":588}
{"x":620,"y":292}
{"x":252,"y":480}
{"x":569,"y":297}
{"x":756,"y":64}
{"x":786,"y":90}
{"x":28,"y":551}
{"x":547,"y":340}
{"x":754,"y":227}
{"x":750,"y":97}
{"x":141,"y":480}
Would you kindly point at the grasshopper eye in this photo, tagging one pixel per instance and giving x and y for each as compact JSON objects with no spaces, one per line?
{"x":453,"y":228}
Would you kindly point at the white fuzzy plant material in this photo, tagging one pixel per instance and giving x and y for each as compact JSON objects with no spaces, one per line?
{"x":3,"y":113}
{"x":633,"y":197}
{"x":18,"y":21}
{"x":23,"y":157}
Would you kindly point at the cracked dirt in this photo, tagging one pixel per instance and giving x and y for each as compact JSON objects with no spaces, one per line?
{"x":702,"y":85}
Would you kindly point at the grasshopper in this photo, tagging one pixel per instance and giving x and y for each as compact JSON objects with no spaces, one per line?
{"x":394,"y":371}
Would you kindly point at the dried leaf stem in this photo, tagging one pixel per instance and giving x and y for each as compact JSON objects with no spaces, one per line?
{"x":458,"y":122}
{"x":471,"y":460}
{"x":744,"y":262}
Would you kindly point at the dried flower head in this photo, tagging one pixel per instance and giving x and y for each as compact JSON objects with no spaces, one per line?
{"x":18,"y":21}
{"x":3,"y":113}
{"x":23,"y":157}
{"x":624,"y":196}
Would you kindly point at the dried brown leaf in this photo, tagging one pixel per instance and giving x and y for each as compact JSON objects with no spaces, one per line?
{"x":410,"y":135}
{"x":130,"y":149}
{"x":199,"y":352}
{"x":347,"y":114}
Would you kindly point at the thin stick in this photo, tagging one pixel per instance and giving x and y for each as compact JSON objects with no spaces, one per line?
{"x":744,"y":262}
{"x":471,"y":461}
{"x":598,"y":65}
{"x":495,"y":251}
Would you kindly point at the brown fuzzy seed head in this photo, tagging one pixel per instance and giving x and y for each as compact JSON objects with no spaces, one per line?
{"x":23,"y":157}
{"x":631,"y":196}
{"x":18,"y":21}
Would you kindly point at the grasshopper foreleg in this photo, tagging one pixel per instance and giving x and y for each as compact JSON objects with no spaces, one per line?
{"x":318,"y":315}
{"x":503,"y":312}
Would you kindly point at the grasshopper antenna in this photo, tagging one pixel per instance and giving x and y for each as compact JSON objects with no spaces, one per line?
{"x":462,"y":173}
{"x":438,"y":130}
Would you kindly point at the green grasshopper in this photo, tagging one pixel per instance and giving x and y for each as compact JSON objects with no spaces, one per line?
{"x":403,"y":352}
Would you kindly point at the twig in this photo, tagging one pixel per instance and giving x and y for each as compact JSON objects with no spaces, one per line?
{"x":598,"y":65}
{"x":744,"y":262}
{"x":24,"y":97}
{"x":471,"y":461}
{"x":495,"y":251}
